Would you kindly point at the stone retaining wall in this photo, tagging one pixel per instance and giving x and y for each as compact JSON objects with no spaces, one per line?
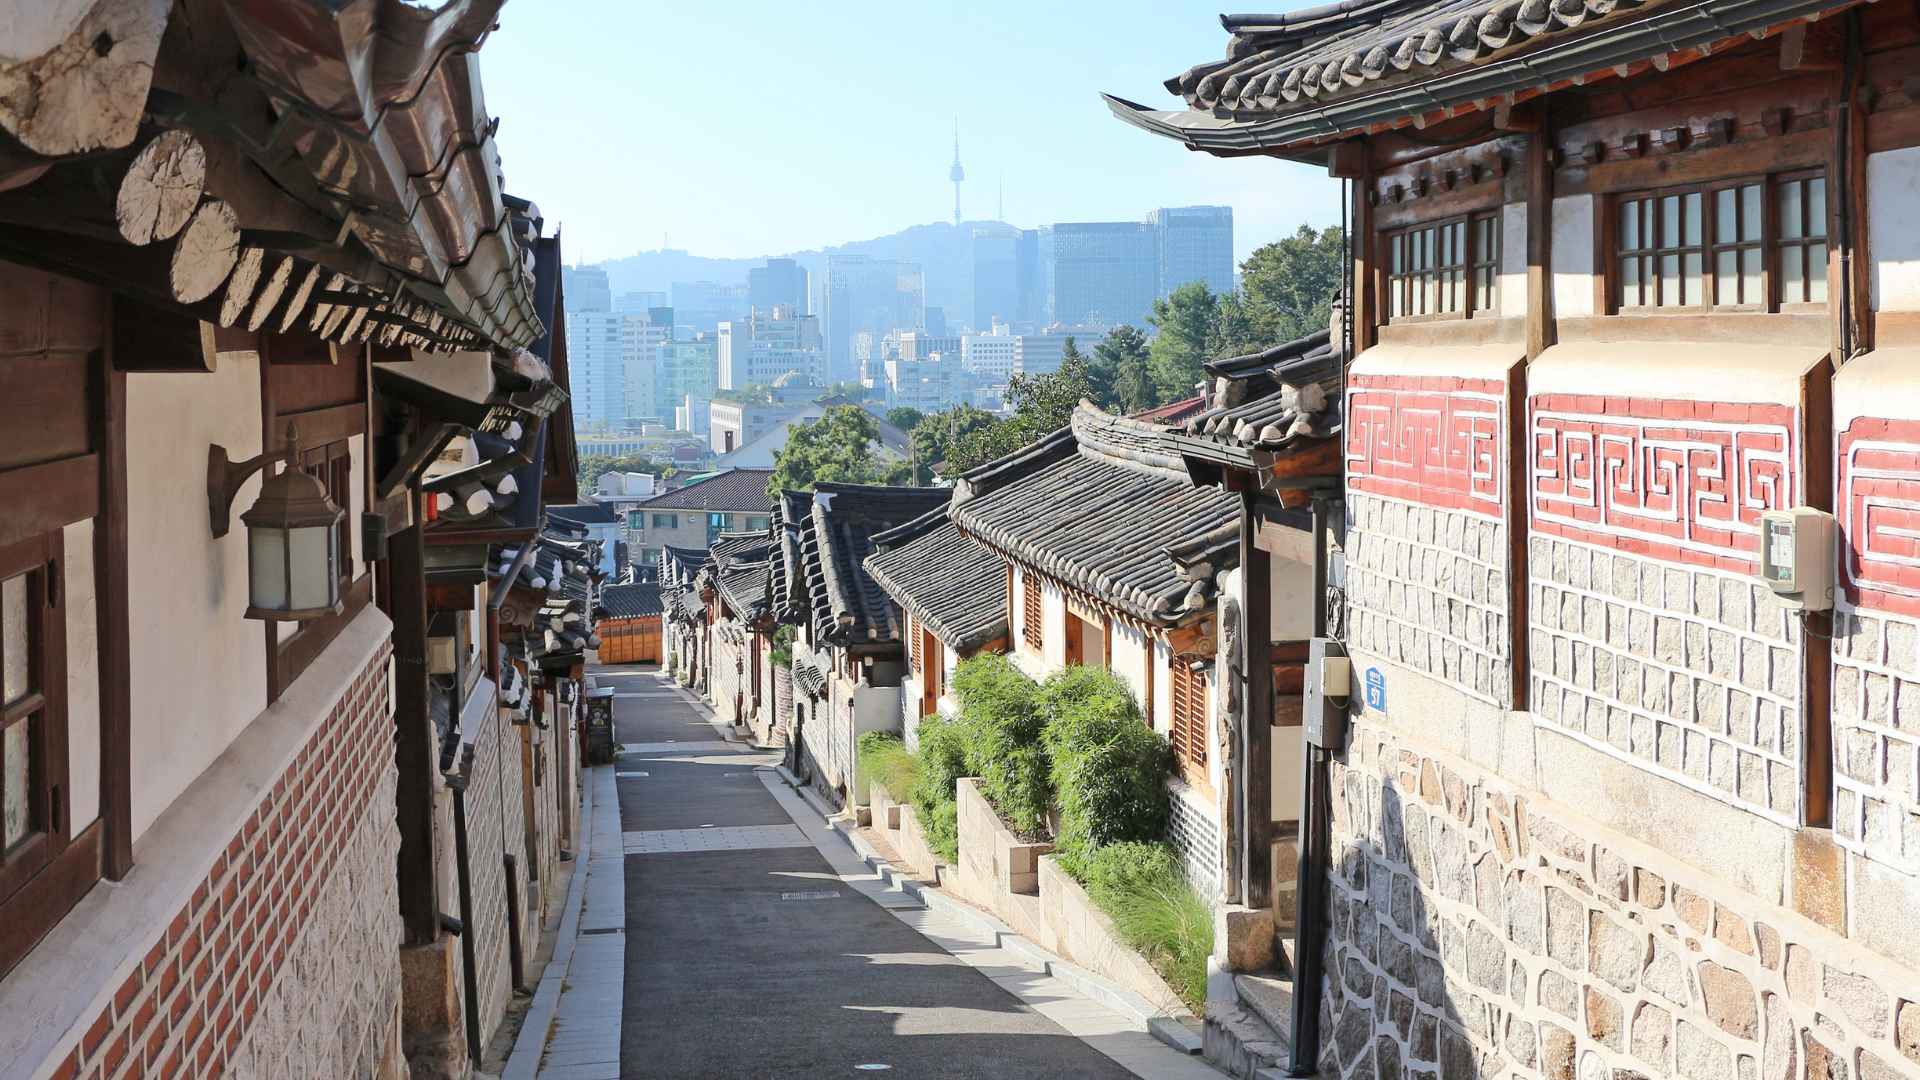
{"x":1478,"y":930}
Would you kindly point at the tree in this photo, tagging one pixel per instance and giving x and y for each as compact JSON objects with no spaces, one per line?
{"x":905,"y":417}
{"x":1185,"y":320}
{"x":1232,"y":333}
{"x":750,"y":394}
{"x":1043,"y":404}
{"x":1287,"y":286}
{"x":838,"y":448}
{"x":1119,"y":371}
{"x":936,"y":436}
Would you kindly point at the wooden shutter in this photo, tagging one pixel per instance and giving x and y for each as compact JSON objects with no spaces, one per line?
{"x":1188,"y":730}
{"x":1030,"y":629}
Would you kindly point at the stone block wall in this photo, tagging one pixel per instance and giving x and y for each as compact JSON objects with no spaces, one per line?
{"x":1479,"y":930}
{"x":285,"y":961}
{"x":1193,"y":828}
{"x":1427,"y":539}
{"x":496,"y":817}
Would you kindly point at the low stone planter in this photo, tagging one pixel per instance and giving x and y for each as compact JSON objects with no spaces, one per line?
{"x":902,"y":825}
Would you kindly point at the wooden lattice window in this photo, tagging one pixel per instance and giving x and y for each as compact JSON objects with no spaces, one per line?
{"x":1188,"y":729}
{"x":1752,"y":244}
{"x":1444,"y":268}
{"x":1802,"y":200}
{"x":1030,"y":618}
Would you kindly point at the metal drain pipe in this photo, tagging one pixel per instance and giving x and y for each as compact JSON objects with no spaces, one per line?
{"x":457,"y":783}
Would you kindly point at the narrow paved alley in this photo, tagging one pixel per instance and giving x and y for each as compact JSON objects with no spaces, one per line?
{"x":751,"y":942}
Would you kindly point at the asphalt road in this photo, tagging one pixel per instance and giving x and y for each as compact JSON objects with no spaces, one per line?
{"x":750,"y":958}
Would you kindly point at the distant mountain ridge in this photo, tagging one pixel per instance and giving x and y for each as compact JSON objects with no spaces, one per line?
{"x":943,"y":250}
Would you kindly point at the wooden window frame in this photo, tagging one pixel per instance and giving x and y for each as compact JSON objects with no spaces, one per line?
{"x":1033,"y":613}
{"x":1475,"y":257}
{"x":1187,"y":721}
{"x":1771,"y":245}
{"x":1804,"y":243}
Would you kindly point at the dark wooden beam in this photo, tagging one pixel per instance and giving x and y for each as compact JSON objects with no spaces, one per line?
{"x":413,"y":741}
{"x":113,"y":619}
{"x":1256,"y":779}
{"x":1539,"y":241}
{"x":147,"y":337}
{"x":42,"y":498}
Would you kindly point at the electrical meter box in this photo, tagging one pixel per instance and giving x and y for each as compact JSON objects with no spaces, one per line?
{"x":1796,"y":556}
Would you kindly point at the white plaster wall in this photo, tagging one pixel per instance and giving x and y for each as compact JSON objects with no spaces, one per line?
{"x":1130,"y":660}
{"x":83,"y":678}
{"x":197,"y":667}
{"x":1290,"y":588}
{"x":1893,"y":228}
{"x":1053,"y":625}
{"x":1572,"y":256}
{"x":1162,"y":687}
{"x":1513,"y":260}
{"x":357,"y":503}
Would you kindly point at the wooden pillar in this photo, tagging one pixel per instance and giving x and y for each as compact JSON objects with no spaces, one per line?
{"x":1540,"y":325}
{"x":1256,"y":783}
{"x":413,"y":743}
{"x":114,"y":620}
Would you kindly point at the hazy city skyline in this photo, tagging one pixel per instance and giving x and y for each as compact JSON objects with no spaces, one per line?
{"x":836,"y":133}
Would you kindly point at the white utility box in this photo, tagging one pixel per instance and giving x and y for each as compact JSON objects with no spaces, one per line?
{"x":1796,"y":556}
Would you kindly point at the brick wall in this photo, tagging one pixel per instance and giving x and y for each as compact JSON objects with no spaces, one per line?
{"x":285,"y":962}
{"x":1478,"y":930}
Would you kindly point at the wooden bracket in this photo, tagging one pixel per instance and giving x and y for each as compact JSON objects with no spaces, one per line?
{"x":1593,"y":153}
{"x":1720,"y":131}
{"x":1776,"y":121}
{"x":1675,"y":139}
{"x":1633,"y":145}
{"x":1793,"y":46}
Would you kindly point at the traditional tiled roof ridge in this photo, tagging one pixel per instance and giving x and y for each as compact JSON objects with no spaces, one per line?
{"x":910,"y":531}
{"x":1124,"y":441}
{"x":849,"y":606}
{"x":738,"y":489}
{"x":631,"y":601}
{"x":1023,"y":462}
{"x":946,"y":579}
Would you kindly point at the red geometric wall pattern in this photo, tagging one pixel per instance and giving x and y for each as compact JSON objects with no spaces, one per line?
{"x":1683,"y":481}
{"x":1433,"y":440}
{"x":1878,"y":505}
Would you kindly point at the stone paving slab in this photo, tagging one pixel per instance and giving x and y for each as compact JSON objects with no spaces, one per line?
{"x":718,"y":838}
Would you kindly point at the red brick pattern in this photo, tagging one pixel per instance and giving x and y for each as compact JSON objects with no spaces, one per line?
{"x":189,"y":1004}
{"x":1433,"y":440}
{"x":1683,"y":481}
{"x":1878,"y":484}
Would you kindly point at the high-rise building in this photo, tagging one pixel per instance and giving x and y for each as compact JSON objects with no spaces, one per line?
{"x":597,"y":354}
{"x":1196,"y":244}
{"x":864,"y":293}
{"x":763,"y":346}
{"x":686,"y":379}
{"x":639,"y":302}
{"x":1032,"y":280}
{"x":1106,"y":272}
{"x":989,"y":356}
{"x":1040,"y":354}
{"x":996,"y":271}
{"x":780,"y":283}
{"x":586,"y":288}
{"x":920,"y":344}
{"x":704,"y":305}
{"x":929,"y":384}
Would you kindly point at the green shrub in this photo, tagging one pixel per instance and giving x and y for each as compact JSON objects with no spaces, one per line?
{"x":1142,"y":887}
{"x":782,"y":652}
{"x":884,"y":758}
{"x":1109,"y":769}
{"x":941,"y":824}
{"x":1000,"y":711}
{"x":941,"y":762}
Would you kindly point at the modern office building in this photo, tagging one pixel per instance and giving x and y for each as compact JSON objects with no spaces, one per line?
{"x":687,"y":371}
{"x":996,"y":274}
{"x":864,"y":293}
{"x":764,"y":346}
{"x":931,"y":383}
{"x":1040,"y":354}
{"x":597,"y":347}
{"x":641,"y":302}
{"x":1105,"y":272}
{"x":1032,"y":279}
{"x":780,"y":283}
{"x":920,"y":344}
{"x":704,"y":305}
{"x":1196,"y":244}
{"x":990,"y":356}
{"x":586,"y":288}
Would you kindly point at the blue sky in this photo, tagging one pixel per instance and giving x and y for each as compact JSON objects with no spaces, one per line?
{"x":747,"y":128}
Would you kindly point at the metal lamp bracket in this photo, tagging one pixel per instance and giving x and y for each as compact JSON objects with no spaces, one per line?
{"x":224,"y":477}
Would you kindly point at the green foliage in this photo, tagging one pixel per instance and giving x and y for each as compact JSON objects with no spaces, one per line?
{"x":782,"y":652}
{"x":1287,"y":289}
{"x":1122,"y":382}
{"x":1000,"y":712}
{"x":838,"y":447}
{"x":845,"y":393}
{"x":1109,"y":768}
{"x":1042,"y":405}
{"x":905,"y":417}
{"x":595,"y":466}
{"x":750,"y":394}
{"x":1142,"y":887}
{"x":1184,"y":320}
{"x":941,"y":762}
{"x":933,"y":439}
{"x":884,"y":758}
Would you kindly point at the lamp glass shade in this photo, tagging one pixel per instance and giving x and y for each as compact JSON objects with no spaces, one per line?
{"x":267,"y":567}
{"x":311,"y":563}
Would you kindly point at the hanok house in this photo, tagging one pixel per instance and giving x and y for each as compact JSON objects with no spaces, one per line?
{"x":629,"y":624}
{"x":849,"y":657}
{"x":952,"y":594}
{"x":213,"y":672}
{"x":738,"y":681}
{"x":682,"y":614}
{"x":1633,"y":406}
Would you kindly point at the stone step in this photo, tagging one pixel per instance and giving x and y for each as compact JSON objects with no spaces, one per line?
{"x":1247,"y":1024}
{"x":1270,"y":996}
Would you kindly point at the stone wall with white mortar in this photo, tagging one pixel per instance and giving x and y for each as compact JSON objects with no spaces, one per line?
{"x":1479,"y":930}
{"x":1193,"y":828}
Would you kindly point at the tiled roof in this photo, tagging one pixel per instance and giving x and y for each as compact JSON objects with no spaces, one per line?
{"x":1102,"y":518}
{"x":1268,"y":401}
{"x":848,"y":608}
{"x":687,"y":606}
{"x":736,"y":491}
{"x":631,"y":601}
{"x":809,"y":678}
{"x":944,"y":578}
{"x":744,"y":585}
{"x":1350,"y":66}
{"x":735,"y":545}
{"x":1172,"y":412}
{"x":585,"y":514}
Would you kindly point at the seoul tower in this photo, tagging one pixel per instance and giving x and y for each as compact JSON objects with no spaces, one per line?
{"x":956,"y":174}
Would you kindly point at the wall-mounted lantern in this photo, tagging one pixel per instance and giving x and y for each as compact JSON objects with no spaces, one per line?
{"x":293,"y":536}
